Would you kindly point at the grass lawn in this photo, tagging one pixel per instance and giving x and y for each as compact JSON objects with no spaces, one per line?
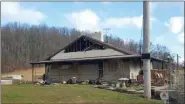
{"x":27,"y":93}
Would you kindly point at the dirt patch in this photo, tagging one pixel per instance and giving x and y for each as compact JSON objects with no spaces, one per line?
{"x":27,"y":73}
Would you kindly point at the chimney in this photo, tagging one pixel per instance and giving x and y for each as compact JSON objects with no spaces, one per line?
{"x":98,"y":36}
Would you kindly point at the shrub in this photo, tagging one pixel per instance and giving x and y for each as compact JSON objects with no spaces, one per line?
{"x":178,"y":94}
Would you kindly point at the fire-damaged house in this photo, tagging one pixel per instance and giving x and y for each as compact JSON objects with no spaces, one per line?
{"x":89,"y":57}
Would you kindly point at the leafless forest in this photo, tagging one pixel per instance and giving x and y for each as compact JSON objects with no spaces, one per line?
{"x":23,"y":43}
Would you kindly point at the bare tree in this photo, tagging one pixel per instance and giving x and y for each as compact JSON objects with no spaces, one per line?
{"x":23,"y":43}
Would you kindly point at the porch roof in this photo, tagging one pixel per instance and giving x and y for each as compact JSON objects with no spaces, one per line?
{"x":95,"y":58}
{"x":88,"y":59}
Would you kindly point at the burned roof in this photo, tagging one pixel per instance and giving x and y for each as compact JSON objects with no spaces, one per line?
{"x":85,"y":56}
{"x":122,"y":50}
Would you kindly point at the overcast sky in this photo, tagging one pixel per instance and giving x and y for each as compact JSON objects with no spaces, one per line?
{"x":123,"y":18}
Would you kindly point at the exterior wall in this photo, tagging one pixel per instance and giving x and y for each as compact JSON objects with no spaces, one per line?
{"x":52,"y":73}
{"x":115,"y":69}
{"x":112,"y":71}
{"x":156,"y":65}
{"x":151,"y":65}
{"x":159,"y":65}
{"x":81,"y":72}
{"x":135,"y":68}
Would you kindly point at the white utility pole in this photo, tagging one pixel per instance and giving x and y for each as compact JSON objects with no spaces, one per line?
{"x":146,"y":50}
{"x":0,"y":67}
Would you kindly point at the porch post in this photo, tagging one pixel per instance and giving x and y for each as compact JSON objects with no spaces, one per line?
{"x":32,"y":73}
{"x":78,"y":71}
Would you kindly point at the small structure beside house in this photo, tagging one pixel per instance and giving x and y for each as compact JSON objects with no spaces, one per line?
{"x":90,"y":58}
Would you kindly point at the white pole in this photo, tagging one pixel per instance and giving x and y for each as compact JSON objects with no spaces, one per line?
{"x":165,"y":102}
{"x":146,"y":46}
{"x":0,"y":67}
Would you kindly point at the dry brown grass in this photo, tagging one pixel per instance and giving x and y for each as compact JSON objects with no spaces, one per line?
{"x":27,"y":73}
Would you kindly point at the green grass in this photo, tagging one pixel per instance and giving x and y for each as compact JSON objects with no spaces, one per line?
{"x":27,"y":93}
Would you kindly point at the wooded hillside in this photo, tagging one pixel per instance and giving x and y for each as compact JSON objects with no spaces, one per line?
{"x":23,"y":43}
